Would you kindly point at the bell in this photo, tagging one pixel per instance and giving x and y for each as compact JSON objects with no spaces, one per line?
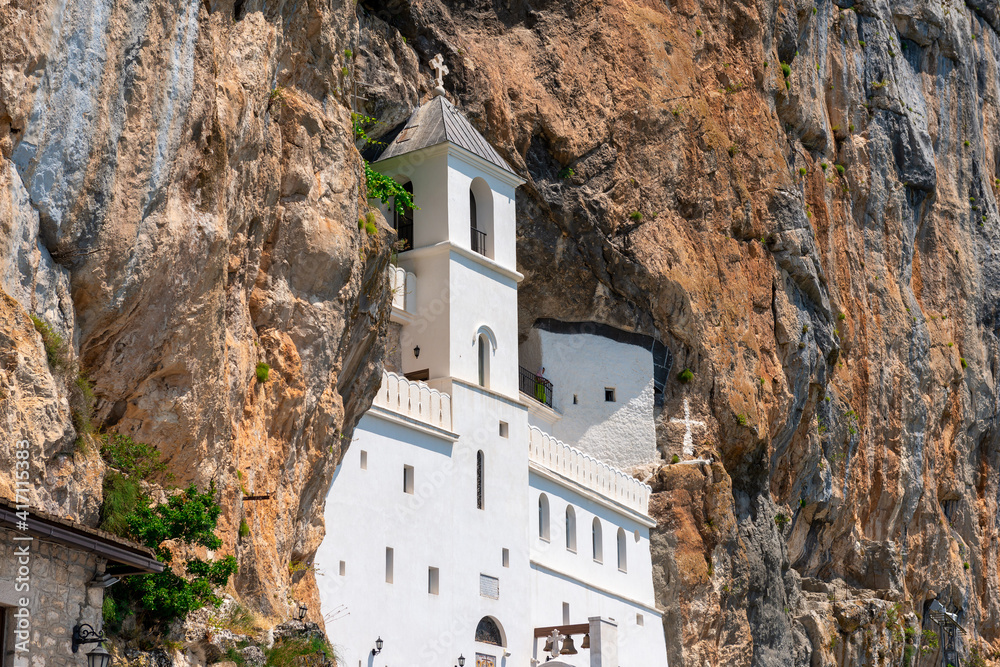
{"x":568,"y":648}
{"x":548,"y":645}
{"x":586,"y":641}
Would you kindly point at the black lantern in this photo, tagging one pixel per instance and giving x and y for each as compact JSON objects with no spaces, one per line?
{"x":83,"y":634}
{"x":98,"y":657}
{"x":302,"y":612}
{"x":378,"y":646}
{"x":416,"y":351}
{"x":461,"y":661}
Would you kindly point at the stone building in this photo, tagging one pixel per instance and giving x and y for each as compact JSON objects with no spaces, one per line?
{"x":53,"y":573}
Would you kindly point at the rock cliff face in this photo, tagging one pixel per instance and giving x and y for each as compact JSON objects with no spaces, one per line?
{"x":179,"y":197}
{"x":798,"y":198}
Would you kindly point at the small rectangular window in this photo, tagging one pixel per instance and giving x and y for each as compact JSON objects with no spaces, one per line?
{"x":565,"y":613}
{"x":364,"y":460}
{"x":503,"y":429}
{"x":574,"y":400}
{"x":506,"y":557}
{"x":433,"y":580}
{"x":609,"y":394}
{"x":343,"y":568}
{"x":388,"y":565}
{"x":407,"y":479}
{"x":639,"y":620}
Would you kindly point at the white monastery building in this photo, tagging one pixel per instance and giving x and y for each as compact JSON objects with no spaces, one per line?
{"x":461,"y":526}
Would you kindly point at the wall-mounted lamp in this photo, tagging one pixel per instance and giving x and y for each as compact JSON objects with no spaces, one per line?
{"x":461,"y":661}
{"x":416,"y":351}
{"x":83,"y":634}
{"x":302,"y":612}
{"x":378,"y":646}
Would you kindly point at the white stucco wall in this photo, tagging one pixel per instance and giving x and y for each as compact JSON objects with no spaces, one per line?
{"x":438,"y":526}
{"x":622,"y":432}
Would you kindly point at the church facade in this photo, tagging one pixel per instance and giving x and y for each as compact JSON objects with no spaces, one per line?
{"x":458,"y":527}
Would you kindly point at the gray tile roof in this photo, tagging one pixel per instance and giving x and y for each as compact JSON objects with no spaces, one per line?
{"x":436,"y":122}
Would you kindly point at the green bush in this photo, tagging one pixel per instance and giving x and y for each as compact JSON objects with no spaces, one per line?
{"x":675,"y":459}
{"x":56,"y":350}
{"x":741,"y":420}
{"x":288,"y":652}
{"x":803,"y":171}
{"x":781,"y":520}
{"x":122,"y":495}
{"x":698,"y":32}
{"x":964,"y":363}
{"x":244,"y":528}
{"x":786,"y":70}
{"x":567,"y":172}
{"x":635,"y":216}
{"x":685,"y":376}
{"x":188,"y":518}
{"x":133,"y":459}
{"x":840,"y":169}
{"x":263,"y":372}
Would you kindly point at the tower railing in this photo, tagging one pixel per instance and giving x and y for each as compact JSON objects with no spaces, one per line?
{"x":415,"y":400}
{"x":584,"y":469}
{"x":478,"y":241}
{"x":534,"y":386}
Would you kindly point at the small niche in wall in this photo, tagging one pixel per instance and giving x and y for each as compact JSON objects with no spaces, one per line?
{"x":503,"y":429}
{"x":408,"y":479}
{"x":343,"y":568}
{"x":565,"y":613}
{"x":609,"y":394}
{"x":639,"y":620}
{"x":575,"y":400}
{"x":433,"y":580}
{"x":506,"y":557}
{"x":364,"y":460}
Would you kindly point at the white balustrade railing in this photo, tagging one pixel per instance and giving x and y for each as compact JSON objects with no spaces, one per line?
{"x":404,"y":289}
{"x":584,"y":469}
{"x":414,"y":400}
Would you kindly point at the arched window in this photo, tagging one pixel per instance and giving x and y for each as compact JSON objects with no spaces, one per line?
{"x":543,"y":517}
{"x":488,"y":632}
{"x":484,"y":361}
{"x":480,"y":481}
{"x":598,"y":541}
{"x":570,"y":528}
{"x":403,"y":223}
{"x":481,"y":217}
{"x":622,"y":556}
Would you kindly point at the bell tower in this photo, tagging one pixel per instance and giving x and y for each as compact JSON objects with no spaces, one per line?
{"x":460,"y":245}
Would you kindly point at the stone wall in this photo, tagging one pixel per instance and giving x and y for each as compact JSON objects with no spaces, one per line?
{"x":59,"y":599}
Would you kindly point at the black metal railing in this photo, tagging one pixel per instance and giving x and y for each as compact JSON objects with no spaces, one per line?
{"x":535,"y":386}
{"x":478,"y":241}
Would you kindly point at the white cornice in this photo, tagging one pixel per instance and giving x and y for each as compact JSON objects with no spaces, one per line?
{"x":551,"y":570}
{"x":389,"y":416}
{"x":446,"y":246}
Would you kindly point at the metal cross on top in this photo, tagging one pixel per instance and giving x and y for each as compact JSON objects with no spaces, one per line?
{"x":437,"y":63}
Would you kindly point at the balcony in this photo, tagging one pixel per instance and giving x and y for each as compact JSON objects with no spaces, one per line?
{"x":536,"y":387}
{"x":414,"y":400}
{"x":570,"y":463}
{"x":478,"y":241}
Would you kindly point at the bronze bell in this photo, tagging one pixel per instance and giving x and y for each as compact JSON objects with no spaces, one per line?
{"x":567,"y":647}
{"x":548,"y":645}
{"x":586,"y":641}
